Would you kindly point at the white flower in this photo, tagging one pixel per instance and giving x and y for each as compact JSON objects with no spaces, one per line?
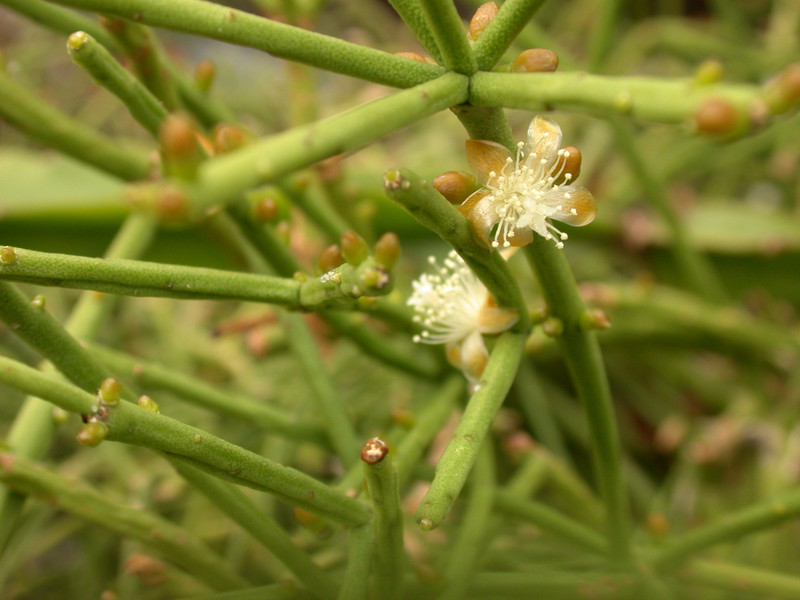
{"x":520,"y":195}
{"x":455,"y":308}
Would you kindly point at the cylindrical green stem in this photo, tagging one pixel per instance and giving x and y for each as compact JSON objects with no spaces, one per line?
{"x":450,"y":35}
{"x":86,"y":52}
{"x":355,"y":585}
{"x":411,"y":13}
{"x":755,"y":582}
{"x":174,"y":543}
{"x":43,"y":122}
{"x":501,"y":32}
{"x":462,"y":451}
{"x":651,"y":99}
{"x":582,"y":355}
{"x":261,"y":527}
{"x":387,"y":520}
{"x":284,"y":41}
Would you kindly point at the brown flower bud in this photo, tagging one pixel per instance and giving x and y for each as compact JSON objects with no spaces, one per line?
{"x":92,"y":434}
{"x":229,"y":137}
{"x":481,"y":19}
{"x":535,"y":60}
{"x":204,"y":75}
{"x":717,"y":116}
{"x":354,"y":248}
{"x":266,"y":209}
{"x":330,"y":258}
{"x":455,"y":186}
{"x":387,"y":249}
{"x":374,"y":451}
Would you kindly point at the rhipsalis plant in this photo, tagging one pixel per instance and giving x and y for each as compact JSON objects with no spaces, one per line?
{"x":287,"y":310}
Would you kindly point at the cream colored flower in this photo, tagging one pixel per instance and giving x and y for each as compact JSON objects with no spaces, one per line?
{"x":456,"y":309}
{"x":521,"y":194}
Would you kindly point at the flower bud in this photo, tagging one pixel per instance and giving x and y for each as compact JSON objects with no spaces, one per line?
{"x":330,"y":258}
{"x":204,"y":75}
{"x":595,"y":318}
{"x":717,"y":117}
{"x":412,"y":56}
{"x":38,"y":301}
{"x":110,"y":391}
{"x":8,"y":255}
{"x":76,"y":41}
{"x":374,"y":451}
{"x":553,"y":326}
{"x":710,"y":71}
{"x":535,"y":60}
{"x":387,"y":249}
{"x":91,"y":434}
{"x":229,"y":137}
{"x":266,"y":209}
{"x":354,"y":248}
{"x":783,"y":92}
{"x":148,"y":403}
{"x":481,"y":19}
{"x":172,"y":204}
{"x":455,"y":186}
{"x":180,"y":147}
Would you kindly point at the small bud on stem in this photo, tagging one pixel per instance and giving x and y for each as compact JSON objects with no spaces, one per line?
{"x":535,"y":60}
{"x":481,"y":19}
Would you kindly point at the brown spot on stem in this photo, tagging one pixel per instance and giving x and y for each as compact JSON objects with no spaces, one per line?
{"x":374,"y":451}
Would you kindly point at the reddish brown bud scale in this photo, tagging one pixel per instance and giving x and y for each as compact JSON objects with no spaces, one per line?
{"x":374,"y":451}
{"x":387,"y":249}
{"x":266,"y":209}
{"x":455,"y":186}
{"x":177,"y":136}
{"x":481,"y":19}
{"x":354,"y":248}
{"x":535,"y":60}
{"x":330,"y":258}
{"x":172,"y":204}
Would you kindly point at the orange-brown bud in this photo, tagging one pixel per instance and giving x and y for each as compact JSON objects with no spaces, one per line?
{"x":229,"y":137}
{"x":455,"y":186}
{"x":354,"y":248}
{"x":783,"y":92}
{"x":266,"y":209}
{"x":387,"y":249}
{"x":374,"y":451}
{"x":177,"y":136}
{"x":91,"y":434}
{"x":717,"y":117}
{"x":412,"y":55}
{"x":204,"y":75}
{"x":172,"y":204}
{"x":595,"y":318}
{"x":481,"y":19}
{"x":535,"y":60}
{"x":330,"y":258}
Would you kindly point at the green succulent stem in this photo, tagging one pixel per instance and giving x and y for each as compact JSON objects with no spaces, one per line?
{"x":462,"y":450}
{"x":583,"y":357}
{"x":284,"y":41}
{"x":450,"y":34}
{"x":88,"y":53}
{"x":644,"y":98}
{"x":410,"y":11}
{"x":173,"y":543}
{"x":355,"y":585}
{"x":509,"y":21}
{"x":29,"y":113}
{"x":143,"y":279}
{"x":736,"y":577}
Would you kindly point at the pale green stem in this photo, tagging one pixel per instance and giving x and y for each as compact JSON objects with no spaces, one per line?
{"x":584,"y":359}
{"x":24,"y":110}
{"x":143,"y":279}
{"x":193,"y":390}
{"x":387,"y":527}
{"x":411,"y":13}
{"x":261,"y":527}
{"x":355,"y":585}
{"x":752,"y":581}
{"x":145,"y":108}
{"x":646,"y":98}
{"x":462,"y":450}
{"x":284,"y":41}
{"x":553,"y":584}
{"x":275,"y":591}
{"x":604,"y":31}
{"x":174,"y":543}
{"x":501,"y":32}
{"x":450,"y":34}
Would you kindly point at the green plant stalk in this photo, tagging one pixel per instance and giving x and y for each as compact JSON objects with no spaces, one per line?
{"x":61,"y":20}
{"x":758,"y":583}
{"x":753,"y":518}
{"x":534,"y":405}
{"x":33,"y":427}
{"x":477,"y":523}
{"x":199,"y":393}
{"x":307,"y":195}
{"x":134,"y":425}
{"x":355,"y":585}
{"x":696,"y":270}
{"x":411,"y":13}
{"x":204,"y":108}
{"x":501,"y":32}
{"x":174,"y":543}
{"x":485,"y":123}
{"x":603,"y":33}
{"x":145,"y":108}
{"x":450,"y":35}
{"x":338,"y":425}
{"x":275,"y":591}
{"x":553,"y":584}
{"x":585,"y":362}
{"x":430,"y":208}
{"x":143,"y":279}
{"x":387,"y":527}
{"x":550,"y":520}
{"x":46,"y":124}
{"x":261,"y":527}
{"x":284,"y":41}
{"x":462,"y":450}
{"x":646,"y":98}
{"x":278,"y":255}
{"x":222,"y":179}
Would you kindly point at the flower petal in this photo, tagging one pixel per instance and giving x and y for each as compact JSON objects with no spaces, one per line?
{"x":485,"y":157}
{"x":474,"y":356}
{"x":571,"y":204}
{"x":544,"y":140}
{"x":479,"y":211}
{"x":493,"y":319}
